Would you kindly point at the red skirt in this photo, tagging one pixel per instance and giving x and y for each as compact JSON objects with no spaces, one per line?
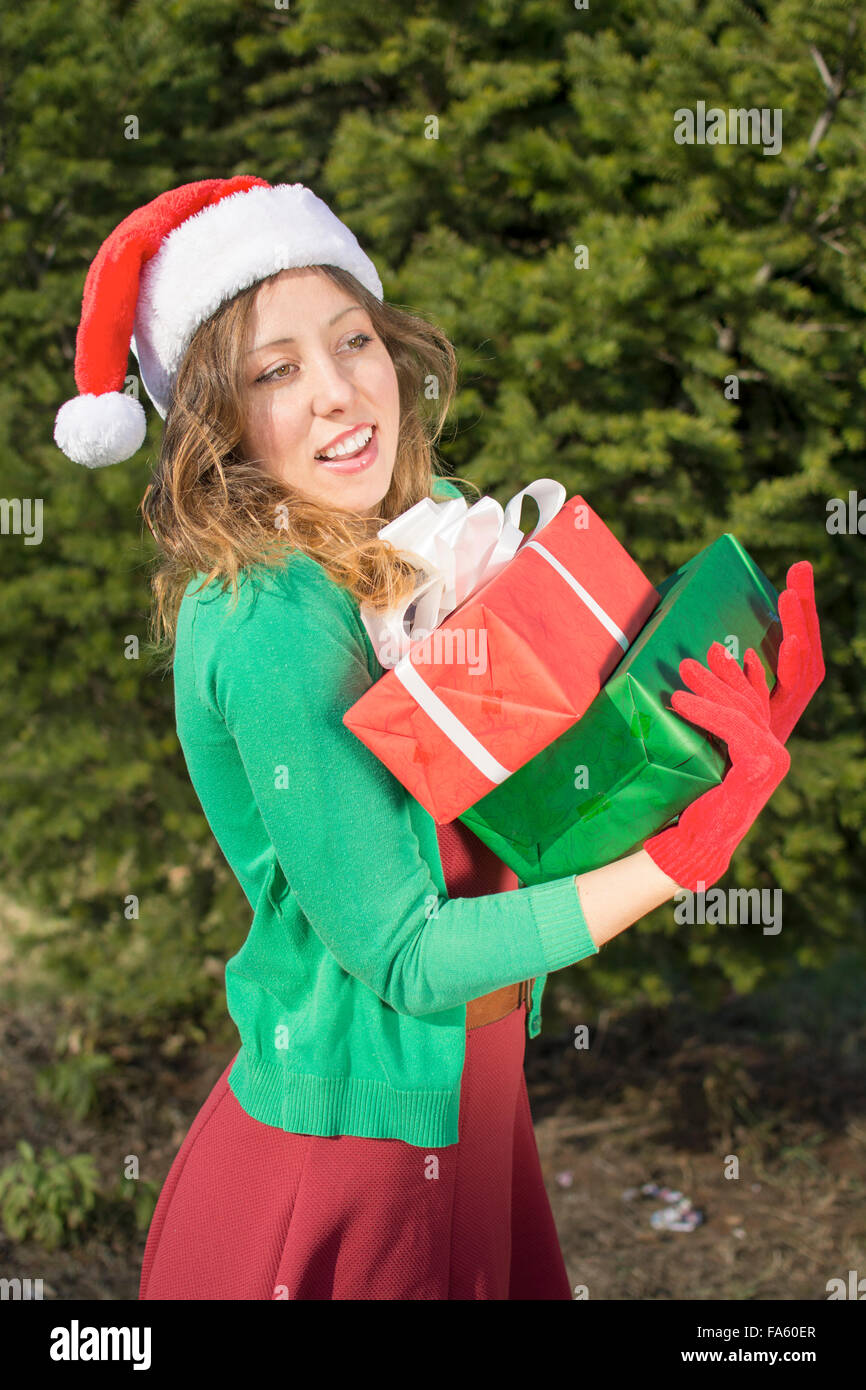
{"x":250,"y":1211}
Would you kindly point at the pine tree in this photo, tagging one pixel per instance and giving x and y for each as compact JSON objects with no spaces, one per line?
{"x":696,"y":370}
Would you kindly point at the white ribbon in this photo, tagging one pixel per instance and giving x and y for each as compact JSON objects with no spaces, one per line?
{"x":454,"y":728}
{"x":595,"y":608}
{"x":455,"y":548}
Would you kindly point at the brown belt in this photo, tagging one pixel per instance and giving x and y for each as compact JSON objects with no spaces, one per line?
{"x":491,"y":1007}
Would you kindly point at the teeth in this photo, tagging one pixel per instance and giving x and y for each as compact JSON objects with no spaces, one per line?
{"x":350,"y":445}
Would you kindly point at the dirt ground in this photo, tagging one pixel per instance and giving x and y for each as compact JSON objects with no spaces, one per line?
{"x":665,"y":1098}
{"x":660,"y":1095}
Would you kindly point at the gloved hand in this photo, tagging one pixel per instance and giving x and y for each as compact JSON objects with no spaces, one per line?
{"x":801,"y":660}
{"x":734,"y":704}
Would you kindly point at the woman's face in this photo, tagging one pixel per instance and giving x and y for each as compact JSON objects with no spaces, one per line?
{"x":312,"y":378}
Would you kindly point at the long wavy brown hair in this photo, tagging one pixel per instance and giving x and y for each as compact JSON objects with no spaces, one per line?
{"x":215,"y":513}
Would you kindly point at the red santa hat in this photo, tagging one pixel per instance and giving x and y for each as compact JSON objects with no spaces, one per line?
{"x":165,"y":269}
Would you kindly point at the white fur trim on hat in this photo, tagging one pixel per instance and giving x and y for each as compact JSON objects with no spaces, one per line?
{"x":223,"y":249}
{"x":100,"y":430}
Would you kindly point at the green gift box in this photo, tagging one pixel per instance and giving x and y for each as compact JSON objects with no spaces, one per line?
{"x":631,"y":764}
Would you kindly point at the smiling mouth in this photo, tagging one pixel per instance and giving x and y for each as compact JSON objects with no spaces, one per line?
{"x":339,"y":457}
{"x":356,"y":462}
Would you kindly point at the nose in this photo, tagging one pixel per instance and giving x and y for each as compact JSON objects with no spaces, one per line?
{"x":331,"y":385}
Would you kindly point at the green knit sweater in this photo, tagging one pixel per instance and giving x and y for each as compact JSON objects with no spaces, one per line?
{"x":349,"y":993}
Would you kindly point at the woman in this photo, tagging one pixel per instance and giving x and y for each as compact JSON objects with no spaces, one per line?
{"x":371,"y":1138}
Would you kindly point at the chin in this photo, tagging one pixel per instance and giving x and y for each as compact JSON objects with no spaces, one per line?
{"x":360,"y":494}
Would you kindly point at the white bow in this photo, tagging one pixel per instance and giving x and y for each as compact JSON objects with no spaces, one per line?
{"x":456,"y":548}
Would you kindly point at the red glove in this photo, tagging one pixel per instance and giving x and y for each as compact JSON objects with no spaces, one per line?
{"x":801,"y":660}
{"x":735,"y":705}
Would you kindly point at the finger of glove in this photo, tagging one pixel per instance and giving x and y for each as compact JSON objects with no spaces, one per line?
{"x":749,"y":745}
{"x":801,"y":579}
{"x":727,"y":669}
{"x":745,"y":738}
{"x":755,"y":675}
{"x":710,"y":684}
{"x":791,"y":664}
{"x":792,"y":616}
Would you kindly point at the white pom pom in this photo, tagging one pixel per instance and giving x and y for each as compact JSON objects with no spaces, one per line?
{"x":100,"y":430}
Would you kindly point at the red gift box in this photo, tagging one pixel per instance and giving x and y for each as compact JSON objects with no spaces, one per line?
{"x":511,"y":668}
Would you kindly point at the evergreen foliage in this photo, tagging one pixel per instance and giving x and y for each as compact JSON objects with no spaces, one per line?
{"x":471,"y":150}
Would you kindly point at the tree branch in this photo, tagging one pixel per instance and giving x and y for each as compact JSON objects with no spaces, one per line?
{"x":835,"y":86}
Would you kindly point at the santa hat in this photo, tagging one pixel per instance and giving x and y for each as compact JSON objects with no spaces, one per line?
{"x":165,"y":269}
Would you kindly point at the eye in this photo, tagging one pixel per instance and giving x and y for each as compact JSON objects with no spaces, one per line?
{"x":273,"y":372}
{"x":362,"y":338}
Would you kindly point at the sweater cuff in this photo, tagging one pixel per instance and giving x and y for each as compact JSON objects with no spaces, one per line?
{"x":558,"y":912}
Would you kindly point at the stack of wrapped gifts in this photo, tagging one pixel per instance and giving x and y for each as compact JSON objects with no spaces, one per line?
{"x":530,"y":677}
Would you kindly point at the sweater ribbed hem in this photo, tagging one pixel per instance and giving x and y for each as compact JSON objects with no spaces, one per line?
{"x":332,"y":1105}
{"x":565,"y":936}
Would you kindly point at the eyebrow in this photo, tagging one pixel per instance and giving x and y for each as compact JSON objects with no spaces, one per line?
{"x":276,"y":341}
